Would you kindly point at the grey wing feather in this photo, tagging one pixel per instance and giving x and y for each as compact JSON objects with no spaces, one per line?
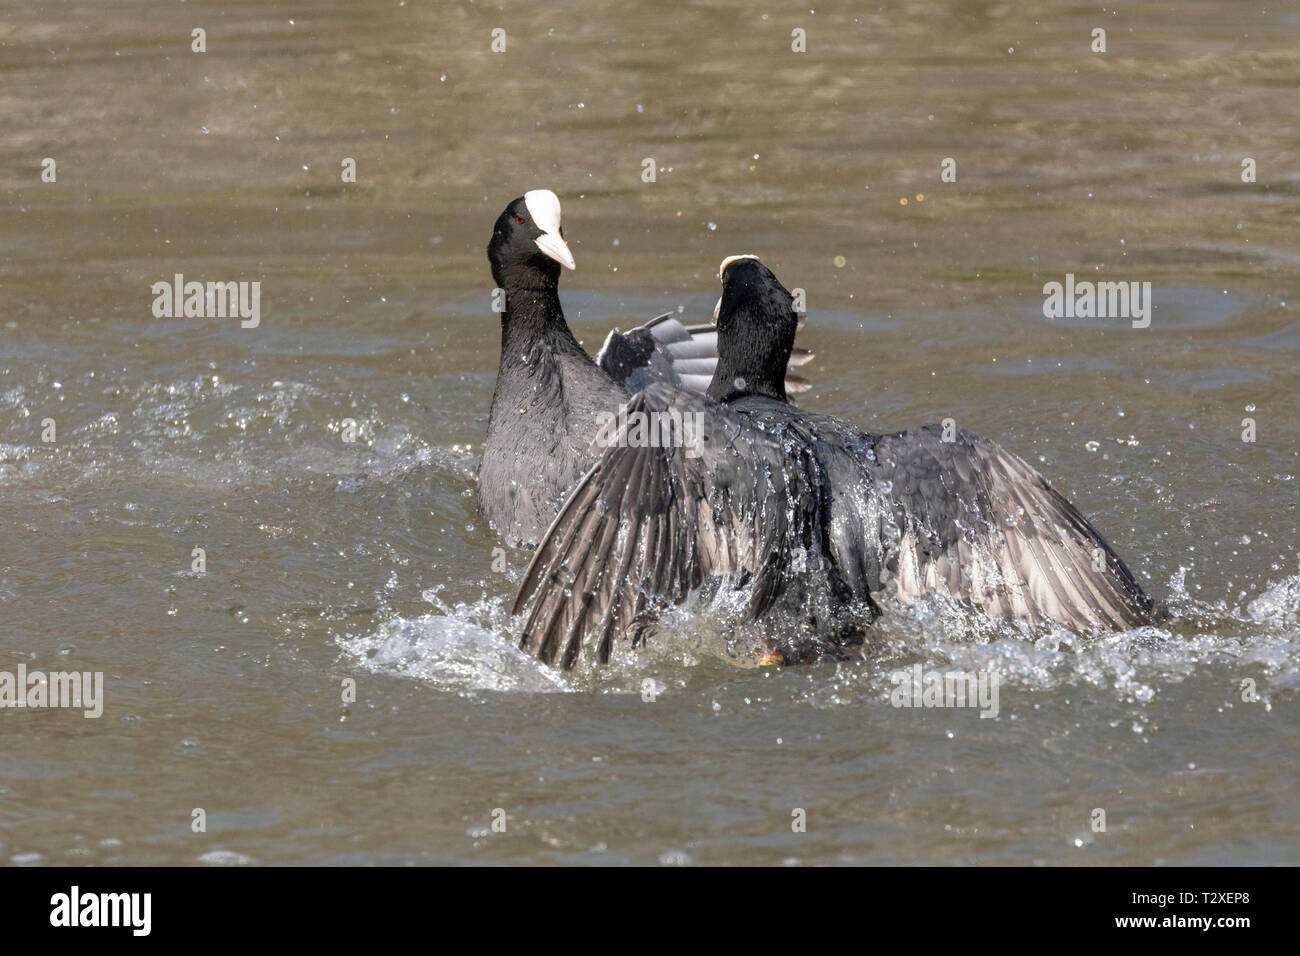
{"x":978,"y":523}
{"x":665,"y":350}
{"x":646,"y":526}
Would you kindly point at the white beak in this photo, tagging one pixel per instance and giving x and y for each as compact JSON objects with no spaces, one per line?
{"x":716,"y":309}
{"x":553,"y":244}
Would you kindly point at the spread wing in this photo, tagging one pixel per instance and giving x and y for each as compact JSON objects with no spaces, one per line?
{"x":974,"y":521}
{"x":728,"y":494}
{"x":717,"y":497}
{"x":665,"y":350}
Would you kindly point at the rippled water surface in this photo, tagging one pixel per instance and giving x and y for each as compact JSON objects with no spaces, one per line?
{"x":328,"y":561}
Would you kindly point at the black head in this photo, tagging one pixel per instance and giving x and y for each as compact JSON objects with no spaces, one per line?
{"x":756,"y":328}
{"x":527,"y":246}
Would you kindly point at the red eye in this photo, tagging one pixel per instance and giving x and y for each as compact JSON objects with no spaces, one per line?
{"x":520,"y":219}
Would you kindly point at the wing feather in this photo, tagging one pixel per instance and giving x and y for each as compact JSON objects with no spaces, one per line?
{"x":647,"y":526}
{"x":665,"y":350}
{"x":982,"y":525}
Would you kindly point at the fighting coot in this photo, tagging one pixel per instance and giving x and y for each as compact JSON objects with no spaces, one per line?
{"x":812,"y":516}
{"x":550,"y":395}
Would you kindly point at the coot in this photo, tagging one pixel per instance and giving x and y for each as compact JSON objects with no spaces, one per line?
{"x":813,"y":518}
{"x":550,"y":395}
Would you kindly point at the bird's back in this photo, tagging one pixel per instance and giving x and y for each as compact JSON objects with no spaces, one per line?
{"x":540,"y":431}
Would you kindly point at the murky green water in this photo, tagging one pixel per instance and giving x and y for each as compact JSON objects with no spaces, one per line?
{"x":327,"y":561}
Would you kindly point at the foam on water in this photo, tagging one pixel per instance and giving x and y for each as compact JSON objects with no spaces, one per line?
{"x":474,"y":647}
{"x":456,"y":649}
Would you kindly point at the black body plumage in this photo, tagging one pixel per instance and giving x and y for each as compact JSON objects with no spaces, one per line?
{"x":550,"y":394}
{"x":807,"y":512}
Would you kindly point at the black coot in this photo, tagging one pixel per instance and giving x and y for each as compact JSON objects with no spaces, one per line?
{"x":549,"y":393}
{"x":813,"y":516}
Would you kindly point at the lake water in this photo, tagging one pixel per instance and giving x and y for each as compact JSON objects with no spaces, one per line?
{"x":329,"y":561}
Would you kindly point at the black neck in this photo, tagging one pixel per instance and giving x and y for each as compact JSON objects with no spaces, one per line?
{"x":533,"y":322}
{"x":733,"y":380}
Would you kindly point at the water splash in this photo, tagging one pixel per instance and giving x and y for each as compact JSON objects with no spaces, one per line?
{"x":464,"y":647}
